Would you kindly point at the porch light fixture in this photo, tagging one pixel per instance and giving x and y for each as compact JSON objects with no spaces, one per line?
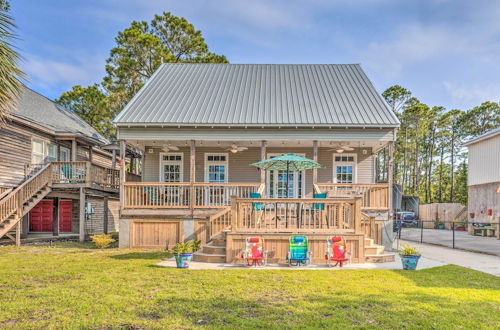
{"x":339,"y":150}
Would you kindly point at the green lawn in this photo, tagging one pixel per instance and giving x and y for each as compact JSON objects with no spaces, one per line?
{"x":72,"y":286}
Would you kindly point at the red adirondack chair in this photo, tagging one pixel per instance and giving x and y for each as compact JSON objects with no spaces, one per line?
{"x":336,"y":251}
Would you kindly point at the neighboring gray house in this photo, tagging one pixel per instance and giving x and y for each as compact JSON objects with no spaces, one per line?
{"x":200,"y":126}
{"x":52,"y":164}
{"x":484,"y":177}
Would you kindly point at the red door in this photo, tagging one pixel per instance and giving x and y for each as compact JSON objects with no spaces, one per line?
{"x":42,"y":216}
{"x":65,"y":215}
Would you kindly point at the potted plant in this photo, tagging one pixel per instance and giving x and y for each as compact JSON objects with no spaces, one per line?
{"x":409,"y":257}
{"x":438,"y":225}
{"x":183,"y":252}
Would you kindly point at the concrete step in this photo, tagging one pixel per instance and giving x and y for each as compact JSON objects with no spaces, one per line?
{"x":205,"y":257}
{"x":378,"y":258}
{"x":374,"y":249}
{"x":213,"y":249}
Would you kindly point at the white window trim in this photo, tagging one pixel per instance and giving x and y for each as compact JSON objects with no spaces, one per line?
{"x":45,"y":148}
{"x":225,"y":163}
{"x":304,"y":175}
{"x":176,"y":162}
{"x":66,"y":150}
{"x":354,"y":164}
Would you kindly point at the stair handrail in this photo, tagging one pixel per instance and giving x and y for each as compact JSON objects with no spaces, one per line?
{"x":14,"y":201}
{"x":219,"y":222}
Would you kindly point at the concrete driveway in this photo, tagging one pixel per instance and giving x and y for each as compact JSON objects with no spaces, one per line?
{"x":478,"y":261}
{"x":463,"y":240}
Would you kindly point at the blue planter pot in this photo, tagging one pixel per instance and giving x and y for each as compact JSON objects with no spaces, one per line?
{"x":409,"y":262}
{"x":183,"y":259}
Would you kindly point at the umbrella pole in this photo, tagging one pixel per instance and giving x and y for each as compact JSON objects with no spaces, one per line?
{"x":287,"y":182}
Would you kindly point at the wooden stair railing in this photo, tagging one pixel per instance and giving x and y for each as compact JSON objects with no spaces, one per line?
{"x":22,"y":199}
{"x":219,"y":222}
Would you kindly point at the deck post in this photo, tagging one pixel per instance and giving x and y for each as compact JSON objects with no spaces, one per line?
{"x":315,"y":158}
{"x":18,"y":233}
{"x":113,"y":159}
{"x":105,"y":215}
{"x":390,"y":173}
{"x":74,"y":150}
{"x":122,"y":173}
{"x":82,"y":215}
{"x":357,"y":215}
{"x":192,"y":176}
{"x":55,"y":227}
{"x":263,"y":145}
{"x":88,"y":173}
{"x":234,"y":213}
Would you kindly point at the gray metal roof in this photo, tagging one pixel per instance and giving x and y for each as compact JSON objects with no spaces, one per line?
{"x":41,"y":111}
{"x":300,"y":95}
{"x":487,"y":135}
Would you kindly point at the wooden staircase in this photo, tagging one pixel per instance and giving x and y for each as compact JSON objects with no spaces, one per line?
{"x":21,"y":200}
{"x":214,"y":251}
{"x":376,"y":253}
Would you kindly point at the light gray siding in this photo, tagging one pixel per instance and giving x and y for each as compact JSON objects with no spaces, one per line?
{"x":484,"y":160}
{"x":241,"y":171}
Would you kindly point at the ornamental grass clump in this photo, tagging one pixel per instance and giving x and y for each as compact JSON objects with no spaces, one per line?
{"x":102,"y":241}
{"x":408,"y":250}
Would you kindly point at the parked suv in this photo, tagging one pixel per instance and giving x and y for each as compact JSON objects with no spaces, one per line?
{"x":405,"y":219}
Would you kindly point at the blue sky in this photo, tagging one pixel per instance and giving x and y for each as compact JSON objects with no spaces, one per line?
{"x":447,"y":52}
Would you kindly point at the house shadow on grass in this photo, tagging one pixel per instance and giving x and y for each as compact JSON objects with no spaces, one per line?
{"x":148,"y":255}
{"x":451,"y":276}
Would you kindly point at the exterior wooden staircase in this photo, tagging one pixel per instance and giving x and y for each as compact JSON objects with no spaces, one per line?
{"x":376,"y":253}
{"x":21,"y":200}
{"x":214,"y":251}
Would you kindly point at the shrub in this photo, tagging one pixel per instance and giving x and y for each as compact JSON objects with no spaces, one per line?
{"x":409,"y":250}
{"x":187,"y":247}
{"x":102,"y":241}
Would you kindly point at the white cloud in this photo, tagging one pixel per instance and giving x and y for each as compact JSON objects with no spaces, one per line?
{"x":472,"y":94}
{"x":80,"y":70}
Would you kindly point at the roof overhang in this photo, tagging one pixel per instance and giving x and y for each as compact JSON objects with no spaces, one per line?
{"x":483,"y":137}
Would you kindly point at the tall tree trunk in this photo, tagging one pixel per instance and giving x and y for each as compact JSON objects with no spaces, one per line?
{"x":441,"y":175}
{"x":429,"y":173}
{"x":452,"y":178}
{"x":417,"y":186}
{"x":404,"y":159}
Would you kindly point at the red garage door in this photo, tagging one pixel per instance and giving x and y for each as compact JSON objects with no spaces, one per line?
{"x":65,"y":215}
{"x":42,"y":217}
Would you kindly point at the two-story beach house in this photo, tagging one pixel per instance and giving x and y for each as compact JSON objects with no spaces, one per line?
{"x":201,"y":126}
{"x":56,"y":180}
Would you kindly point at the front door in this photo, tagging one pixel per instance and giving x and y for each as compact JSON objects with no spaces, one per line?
{"x":65,"y":215}
{"x":276,"y":183}
{"x":42,"y":217}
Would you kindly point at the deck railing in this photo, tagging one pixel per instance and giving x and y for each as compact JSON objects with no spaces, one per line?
{"x":373,"y":196}
{"x":85,"y":173}
{"x":219,"y":222}
{"x":184,"y":194}
{"x":296,"y":214}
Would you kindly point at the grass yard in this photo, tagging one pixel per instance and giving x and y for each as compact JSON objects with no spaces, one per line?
{"x":72,"y":286}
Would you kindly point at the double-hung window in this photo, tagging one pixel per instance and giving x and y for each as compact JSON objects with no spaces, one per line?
{"x":37,"y":151}
{"x":344,"y":168}
{"x":216,"y":168}
{"x":171,"y":167}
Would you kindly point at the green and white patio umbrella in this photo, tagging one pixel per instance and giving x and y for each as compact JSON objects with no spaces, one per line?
{"x":287,"y":162}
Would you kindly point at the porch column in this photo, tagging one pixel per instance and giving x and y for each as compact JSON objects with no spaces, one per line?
{"x":113,"y":159}
{"x":315,"y":158}
{"x":55,"y":227}
{"x":90,"y":154}
{"x":390,"y":180}
{"x":192,"y":175}
{"x":263,"y":146}
{"x":74,"y":150}
{"x":82,"y":215}
{"x":122,"y":173}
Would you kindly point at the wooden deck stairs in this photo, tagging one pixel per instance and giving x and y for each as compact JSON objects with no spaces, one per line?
{"x":376,"y":253}
{"x":21,"y":200}
{"x":214,"y":251}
